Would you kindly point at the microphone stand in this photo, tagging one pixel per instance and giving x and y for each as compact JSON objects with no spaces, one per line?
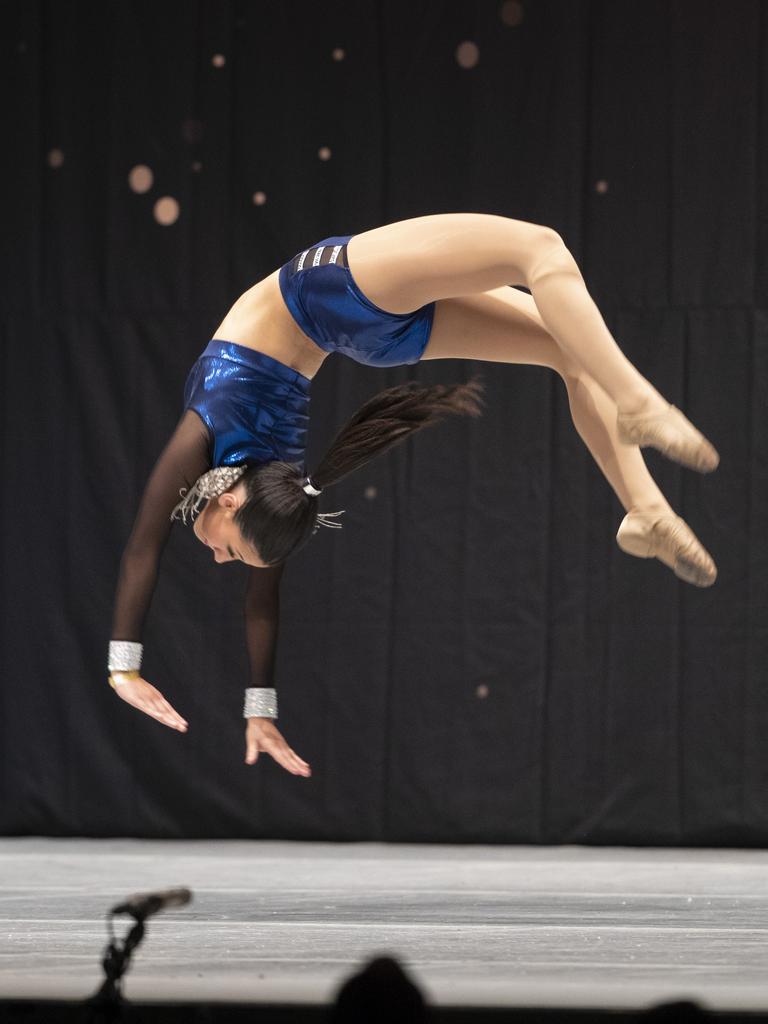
{"x":108,"y":1002}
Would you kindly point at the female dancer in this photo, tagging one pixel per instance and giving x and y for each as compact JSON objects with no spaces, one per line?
{"x":433,"y":287}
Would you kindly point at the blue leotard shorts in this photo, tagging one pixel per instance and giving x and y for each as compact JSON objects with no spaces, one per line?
{"x":320,"y":291}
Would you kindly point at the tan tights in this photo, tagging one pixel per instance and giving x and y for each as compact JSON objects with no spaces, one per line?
{"x":404,"y":265}
{"x":504,"y":325}
{"x":464,"y":262}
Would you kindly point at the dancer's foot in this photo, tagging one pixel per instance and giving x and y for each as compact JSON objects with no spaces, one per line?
{"x":671,"y":433}
{"x":664,"y":535}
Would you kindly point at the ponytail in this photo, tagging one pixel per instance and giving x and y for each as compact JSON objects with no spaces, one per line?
{"x":278,"y":517}
{"x":389,"y":418}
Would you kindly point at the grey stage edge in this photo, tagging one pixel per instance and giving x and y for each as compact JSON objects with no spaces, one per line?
{"x":288,"y":922}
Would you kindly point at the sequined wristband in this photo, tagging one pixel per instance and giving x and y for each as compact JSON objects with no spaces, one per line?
{"x":124,"y":655}
{"x":260,"y":702}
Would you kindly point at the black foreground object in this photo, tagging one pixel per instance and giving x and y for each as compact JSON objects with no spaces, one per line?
{"x":108,"y":1002}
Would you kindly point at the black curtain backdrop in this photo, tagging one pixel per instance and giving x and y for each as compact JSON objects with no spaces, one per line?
{"x":471,"y":658}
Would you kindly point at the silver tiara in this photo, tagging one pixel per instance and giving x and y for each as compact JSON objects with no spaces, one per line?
{"x":209,"y":485}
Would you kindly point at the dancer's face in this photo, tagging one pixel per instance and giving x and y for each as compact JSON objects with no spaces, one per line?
{"x":216,"y":527}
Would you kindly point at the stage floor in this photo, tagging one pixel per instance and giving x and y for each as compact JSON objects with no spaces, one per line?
{"x":473,"y":925}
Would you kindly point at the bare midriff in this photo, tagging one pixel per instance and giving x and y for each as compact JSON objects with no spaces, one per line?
{"x":259,"y":319}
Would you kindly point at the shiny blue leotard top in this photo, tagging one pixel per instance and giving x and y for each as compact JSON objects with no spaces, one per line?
{"x":256,"y":408}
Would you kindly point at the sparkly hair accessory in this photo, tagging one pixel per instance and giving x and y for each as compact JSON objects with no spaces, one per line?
{"x":323,"y":518}
{"x":209,"y":485}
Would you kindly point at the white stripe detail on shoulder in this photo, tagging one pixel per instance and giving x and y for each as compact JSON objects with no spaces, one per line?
{"x":318,"y":254}
{"x":301,"y":261}
{"x":335,"y":253}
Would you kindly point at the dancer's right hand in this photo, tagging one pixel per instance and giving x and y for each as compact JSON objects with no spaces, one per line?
{"x":146,"y":698}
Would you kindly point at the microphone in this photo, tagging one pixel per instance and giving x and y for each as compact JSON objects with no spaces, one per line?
{"x":143,"y":904}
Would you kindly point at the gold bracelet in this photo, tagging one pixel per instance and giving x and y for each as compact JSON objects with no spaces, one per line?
{"x":127,"y":674}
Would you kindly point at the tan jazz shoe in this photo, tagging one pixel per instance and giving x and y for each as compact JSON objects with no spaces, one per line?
{"x":666,"y":536}
{"x":672,"y":434}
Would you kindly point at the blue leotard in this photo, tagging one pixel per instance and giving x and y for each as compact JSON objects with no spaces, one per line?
{"x":256,"y":408}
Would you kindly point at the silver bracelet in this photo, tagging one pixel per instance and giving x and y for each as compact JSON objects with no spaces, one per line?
{"x":124,"y":655}
{"x":260,"y":702}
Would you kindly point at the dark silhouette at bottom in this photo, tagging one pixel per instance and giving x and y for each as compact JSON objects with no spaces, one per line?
{"x":379,"y":994}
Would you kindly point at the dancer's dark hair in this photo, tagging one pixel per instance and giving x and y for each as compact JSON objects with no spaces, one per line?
{"x":278,"y":517}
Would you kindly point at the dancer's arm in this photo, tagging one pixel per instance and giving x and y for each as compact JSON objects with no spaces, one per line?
{"x":262,"y":614}
{"x":185,"y":457}
{"x":182,"y":461}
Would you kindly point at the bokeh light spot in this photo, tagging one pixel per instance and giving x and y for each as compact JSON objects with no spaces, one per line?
{"x":601,"y":186}
{"x":338,"y":53}
{"x":218,"y":60}
{"x":512,"y":12}
{"x":259,"y":198}
{"x":140,"y":178}
{"x":482,"y":691}
{"x":166,"y":210}
{"x":371,"y":492}
{"x":467,"y":54}
{"x":55,"y":157}
{"x":324,"y":153}
{"x":196,"y":166}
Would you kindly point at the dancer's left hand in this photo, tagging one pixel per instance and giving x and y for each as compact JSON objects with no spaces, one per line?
{"x":261,"y":734}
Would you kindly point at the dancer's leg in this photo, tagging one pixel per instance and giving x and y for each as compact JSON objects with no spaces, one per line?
{"x":404,"y":265}
{"x":504,"y":325}
{"x":594,"y":416}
